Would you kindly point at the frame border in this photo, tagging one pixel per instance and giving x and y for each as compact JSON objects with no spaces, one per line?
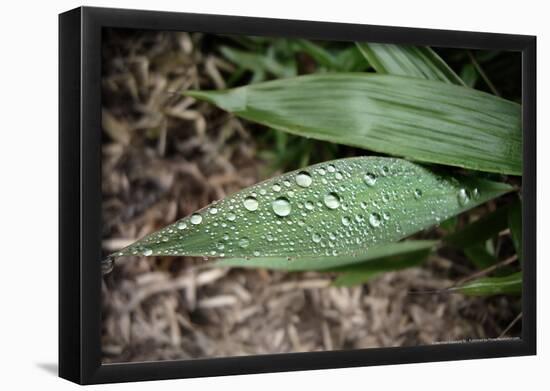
{"x":80,"y":197}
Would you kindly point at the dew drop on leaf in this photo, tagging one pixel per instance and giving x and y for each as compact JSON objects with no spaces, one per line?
{"x":147,"y":252}
{"x":332,"y":201}
{"x":417,"y":194}
{"x":244,"y":242}
{"x":231,"y":216}
{"x":276,"y":187}
{"x":374,"y":219}
{"x":309,"y":205}
{"x":345,"y":221}
{"x":196,"y":218}
{"x":213,"y":211}
{"x":316,"y":238}
{"x":281,"y":207}
{"x":463,"y":197}
{"x":303,"y":179}
{"x":250,"y":203}
{"x":182,"y":225}
{"x":369,"y":179}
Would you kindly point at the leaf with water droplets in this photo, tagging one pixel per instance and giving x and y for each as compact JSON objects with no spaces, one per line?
{"x":336,"y":214}
{"x":387,"y":255}
{"x":423,"y":120}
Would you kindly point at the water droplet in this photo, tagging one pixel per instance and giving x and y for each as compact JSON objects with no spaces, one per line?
{"x":220,"y":246}
{"x":417,"y":194}
{"x":475,"y":193}
{"x":345,"y":220}
{"x":463,"y":197}
{"x":303,"y":179}
{"x":231,"y":216}
{"x":107,"y":265}
{"x":263,"y":191}
{"x":182,"y":225}
{"x":316,"y":238}
{"x":256,"y":253}
{"x":338,"y":175}
{"x":321,"y":171}
{"x":196,"y":219}
{"x":213,"y":211}
{"x":363,"y":205}
{"x":374,"y":219}
{"x":369,"y":179}
{"x":250,"y":203}
{"x":281,"y":206}
{"x":332,"y":201}
{"x":309,"y":205}
{"x":269,"y":237}
{"x":244,"y":242}
{"x":386,"y":215}
{"x":276,"y":187}
{"x":147,"y":251}
{"x":331,"y":168}
{"x":286,"y":183}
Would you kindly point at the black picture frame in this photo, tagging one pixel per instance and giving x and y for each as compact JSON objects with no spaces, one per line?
{"x":80,"y":33}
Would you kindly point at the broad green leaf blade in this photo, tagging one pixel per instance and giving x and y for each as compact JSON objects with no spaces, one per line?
{"x":514,"y":221}
{"x":336,"y":208}
{"x":419,"y":119}
{"x":486,"y":286}
{"x":412,"y":61}
{"x":481,"y":230}
{"x":361,"y":273}
{"x":372,"y":257}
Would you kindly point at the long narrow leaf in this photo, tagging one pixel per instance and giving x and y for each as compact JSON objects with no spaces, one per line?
{"x":481,"y":230}
{"x":413,"y":61}
{"x":373,"y":259}
{"x":487,"y":286}
{"x":362,"y":273}
{"x":419,"y":119}
{"x":337,"y":208}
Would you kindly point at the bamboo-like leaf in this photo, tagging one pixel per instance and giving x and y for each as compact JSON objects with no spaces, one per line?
{"x":362,"y":273}
{"x":480,"y":230}
{"x":486,"y":286}
{"x":478,"y":254}
{"x":389,"y":256}
{"x":413,"y":61}
{"x":419,"y":119}
{"x":337,"y":208}
{"x":258,"y":62}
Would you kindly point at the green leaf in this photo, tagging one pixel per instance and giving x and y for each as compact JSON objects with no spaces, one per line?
{"x":361,"y":273}
{"x":479,"y":255}
{"x":486,"y":286}
{"x":480,"y":230}
{"x":378,"y":257}
{"x":469,"y":75}
{"x":258,"y":62}
{"x":337,"y":208}
{"x":412,"y":61}
{"x":514,"y":221}
{"x":418,"y":119}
